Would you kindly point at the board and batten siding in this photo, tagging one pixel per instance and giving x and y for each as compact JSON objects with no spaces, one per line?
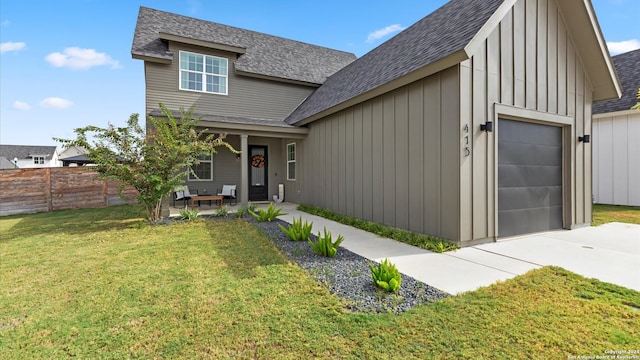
{"x":247,"y":96}
{"x":616,"y":160}
{"x":393,"y":159}
{"x":528,"y":63}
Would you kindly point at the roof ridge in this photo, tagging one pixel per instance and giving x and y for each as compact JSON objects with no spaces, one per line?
{"x":248,"y":30}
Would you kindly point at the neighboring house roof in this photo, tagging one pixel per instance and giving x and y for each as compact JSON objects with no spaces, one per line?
{"x":6,"y":163}
{"x":27,"y":151}
{"x":442,"y":39}
{"x":261,"y":54}
{"x":628,"y":67}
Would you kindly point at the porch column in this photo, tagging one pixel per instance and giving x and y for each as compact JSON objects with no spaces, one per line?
{"x":244,"y":170}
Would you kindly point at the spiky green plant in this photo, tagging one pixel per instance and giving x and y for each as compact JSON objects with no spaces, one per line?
{"x":269,"y":214}
{"x":222,"y":211}
{"x":297,"y":231}
{"x":325,"y":245}
{"x":189,"y":214}
{"x":386,"y":276}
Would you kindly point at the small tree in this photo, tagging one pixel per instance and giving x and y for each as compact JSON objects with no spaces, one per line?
{"x":153,"y":162}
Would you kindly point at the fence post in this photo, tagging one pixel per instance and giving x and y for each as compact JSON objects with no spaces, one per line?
{"x":49,"y":190}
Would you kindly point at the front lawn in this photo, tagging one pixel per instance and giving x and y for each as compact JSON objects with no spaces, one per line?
{"x":100,"y":283}
{"x":603,"y":214}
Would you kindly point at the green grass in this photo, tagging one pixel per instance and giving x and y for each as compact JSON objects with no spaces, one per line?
{"x":603,"y":214}
{"x":428,"y":242}
{"x":101,"y":283}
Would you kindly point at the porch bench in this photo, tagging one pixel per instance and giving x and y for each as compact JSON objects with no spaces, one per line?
{"x":199,"y":198}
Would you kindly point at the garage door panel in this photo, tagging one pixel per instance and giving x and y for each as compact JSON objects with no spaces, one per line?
{"x":525,"y":176}
{"x":524,"y":198}
{"x":529,"y":177}
{"x":529,"y":220}
{"x":546,"y":155}
{"x":528,"y":133}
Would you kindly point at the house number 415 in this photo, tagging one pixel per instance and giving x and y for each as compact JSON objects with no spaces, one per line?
{"x":465,"y":140}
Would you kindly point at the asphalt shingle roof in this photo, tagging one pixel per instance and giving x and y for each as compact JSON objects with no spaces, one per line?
{"x":443,"y":32}
{"x":26,"y":151}
{"x":265,"y":54}
{"x":628,"y":68}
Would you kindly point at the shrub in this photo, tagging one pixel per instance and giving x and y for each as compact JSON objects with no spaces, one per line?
{"x":188,"y":214}
{"x":386,"y":276}
{"x":428,"y":242}
{"x":298,"y":231}
{"x":325,"y":246}
{"x":267,"y":215}
{"x":223,"y":211}
{"x":241,"y":211}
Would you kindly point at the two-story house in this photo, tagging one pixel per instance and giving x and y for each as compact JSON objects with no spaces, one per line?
{"x":242,"y":83}
{"x":472,"y":124}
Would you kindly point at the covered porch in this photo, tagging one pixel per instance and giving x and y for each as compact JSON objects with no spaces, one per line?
{"x":267,"y":159}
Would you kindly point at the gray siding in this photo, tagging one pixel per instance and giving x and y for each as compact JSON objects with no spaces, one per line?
{"x":529,"y":62}
{"x":247,"y":96}
{"x":383,"y":160}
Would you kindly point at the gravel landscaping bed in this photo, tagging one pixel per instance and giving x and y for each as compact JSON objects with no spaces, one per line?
{"x":348,"y":276}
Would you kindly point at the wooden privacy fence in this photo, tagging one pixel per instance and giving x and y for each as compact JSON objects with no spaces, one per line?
{"x":25,"y":191}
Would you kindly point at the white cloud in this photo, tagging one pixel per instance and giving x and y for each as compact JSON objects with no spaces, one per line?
{"x":55,"y":103}
{"x":19,"y":105}
{"x":80,"y":59}
{"x":619,"y":47}
{"x":380,"y":33}
{"x":11,"y":46}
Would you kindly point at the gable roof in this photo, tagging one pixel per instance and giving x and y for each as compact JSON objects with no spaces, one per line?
{"x":261,"y":54}
{"x":443,"y":33}
{"x":628,"y":67}
{"x":26,"y":151}
{"x":442,"y":39}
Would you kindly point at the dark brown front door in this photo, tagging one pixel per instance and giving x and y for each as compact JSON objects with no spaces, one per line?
{"x":258,"y":173}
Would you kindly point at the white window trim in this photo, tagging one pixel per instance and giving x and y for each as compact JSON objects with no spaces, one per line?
{"x":295,"y":157}
{"x":190,"y":177}
{"x":204,"y":74}
{"x":36,"y":158}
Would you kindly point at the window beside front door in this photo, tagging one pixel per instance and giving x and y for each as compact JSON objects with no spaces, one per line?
{"x":203,"y":73}
{"x":204,"y":170}
{"x":291,"y":161}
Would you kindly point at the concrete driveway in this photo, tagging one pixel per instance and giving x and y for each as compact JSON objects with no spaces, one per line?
{"x":610,"y":253}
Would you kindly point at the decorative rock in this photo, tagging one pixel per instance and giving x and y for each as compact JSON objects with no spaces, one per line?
{"x":348,"y":276}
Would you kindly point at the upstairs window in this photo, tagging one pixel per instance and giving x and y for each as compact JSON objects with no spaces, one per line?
{"x":291,"y":161}
{"x":38,"y":160}
{"x":203,"y":73}
{"x":204,"y":170}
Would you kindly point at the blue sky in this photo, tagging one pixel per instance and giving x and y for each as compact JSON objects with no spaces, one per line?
{"x":67,"y":64}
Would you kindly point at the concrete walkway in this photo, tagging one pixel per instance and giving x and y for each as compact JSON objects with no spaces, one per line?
{"x":609,"y":253}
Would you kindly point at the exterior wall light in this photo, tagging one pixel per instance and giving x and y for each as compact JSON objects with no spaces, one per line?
{"x":488,"y":127}
{"x":585,"y":139}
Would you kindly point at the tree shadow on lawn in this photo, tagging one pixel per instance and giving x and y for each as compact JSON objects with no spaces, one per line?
{"x":71,"y":222}
{"x":243,"y":247}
